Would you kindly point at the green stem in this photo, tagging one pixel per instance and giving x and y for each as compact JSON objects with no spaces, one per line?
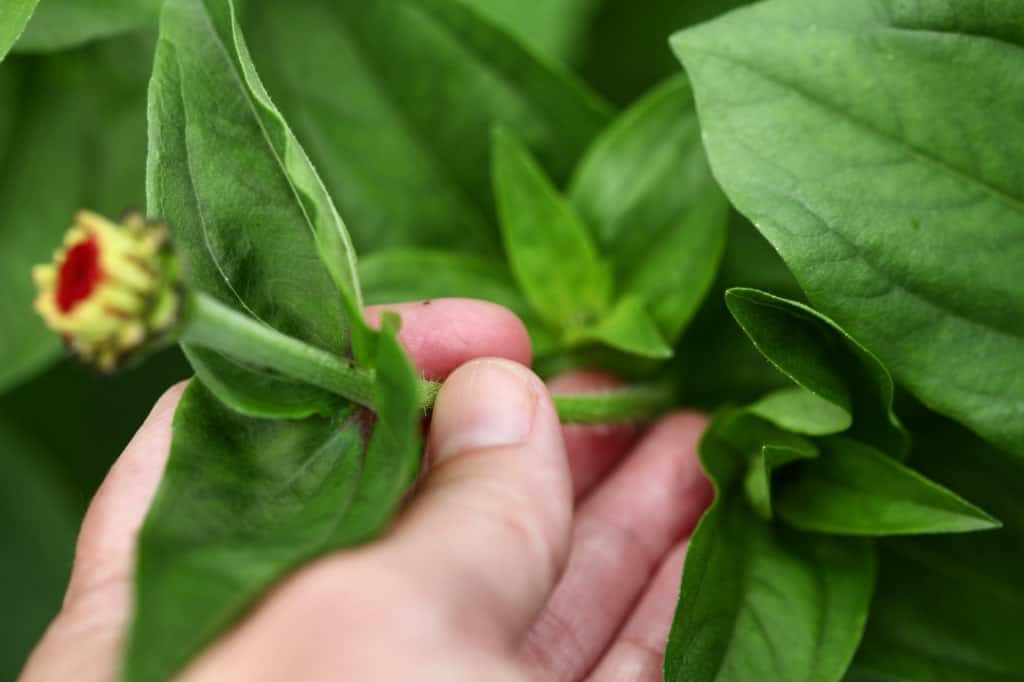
{"x":218,"y":327}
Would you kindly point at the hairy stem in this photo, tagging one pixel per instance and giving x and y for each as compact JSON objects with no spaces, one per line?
{"x":218,"y":327}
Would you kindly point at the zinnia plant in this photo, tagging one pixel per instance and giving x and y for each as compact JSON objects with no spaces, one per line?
{"x":814,"y":231}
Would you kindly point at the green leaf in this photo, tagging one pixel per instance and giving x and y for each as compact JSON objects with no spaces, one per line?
{"x":14,"y":14}
{"x":884,"y":178}
{"x":761,"y":601}
{"x":818,"y":355}
{"x":758,"y":483}
{"x":552,"y":256}
{"x":853,"y":489}
{"x":392,"y":460}
{"x":749,"y":443}
{"x":948,"y":607}
{"x":645,"y":190}
{"x":249,"y":216}
{"x":629,"y":328}
{"x":255,"y":391}
{"x":800,"y":411}
{"x":395,"y":100}
{"x":244,"y":501}
{"x":60,"y":24}
{"x":72,"y":135}
{"x":553,"y":28}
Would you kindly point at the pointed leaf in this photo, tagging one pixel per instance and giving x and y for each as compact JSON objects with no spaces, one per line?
{"x":645,"y":190}
{"x":244,"y":501}
{"x":250,"y":219}
{"x":948,"y":607}
{"x":818,"y":355}
{"x":854,"y":489}
{"x":761,"y":602}
{"x":551,"y":254}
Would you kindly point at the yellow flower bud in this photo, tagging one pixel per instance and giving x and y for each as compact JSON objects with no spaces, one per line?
{"x":111,"y":288}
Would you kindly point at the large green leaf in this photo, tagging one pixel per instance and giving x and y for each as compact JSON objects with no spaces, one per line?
{"x":853,"y":489}
{"x":248,"y":213}
{"x":243,"y":501}
{"x":948,"y":607}
{"x":645,"y":190}
{"x":889,"y":181}
{"x":395,"y":100}
{"x":761,"y":601}
{"x":60,"y":24}
{"x":14,"y":14}
{"x":818,"y":355}
{"x":72,"y":134}
{"x":550,"y":252}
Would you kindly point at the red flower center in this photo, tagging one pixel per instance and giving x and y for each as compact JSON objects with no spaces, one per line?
{"x":79,"y":274}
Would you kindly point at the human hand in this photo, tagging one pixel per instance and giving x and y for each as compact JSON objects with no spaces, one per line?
{"x":488,"y":574}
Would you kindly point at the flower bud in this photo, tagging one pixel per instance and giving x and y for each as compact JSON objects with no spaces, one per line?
{"x":111,"y":289}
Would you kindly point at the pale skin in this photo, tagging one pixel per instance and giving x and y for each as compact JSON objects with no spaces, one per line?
{"x":529,"y":551}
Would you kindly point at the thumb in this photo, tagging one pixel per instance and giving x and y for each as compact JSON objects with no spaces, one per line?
{"x":493,"y":515}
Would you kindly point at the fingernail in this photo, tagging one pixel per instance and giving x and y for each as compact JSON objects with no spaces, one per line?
{"x":483,"y":404}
